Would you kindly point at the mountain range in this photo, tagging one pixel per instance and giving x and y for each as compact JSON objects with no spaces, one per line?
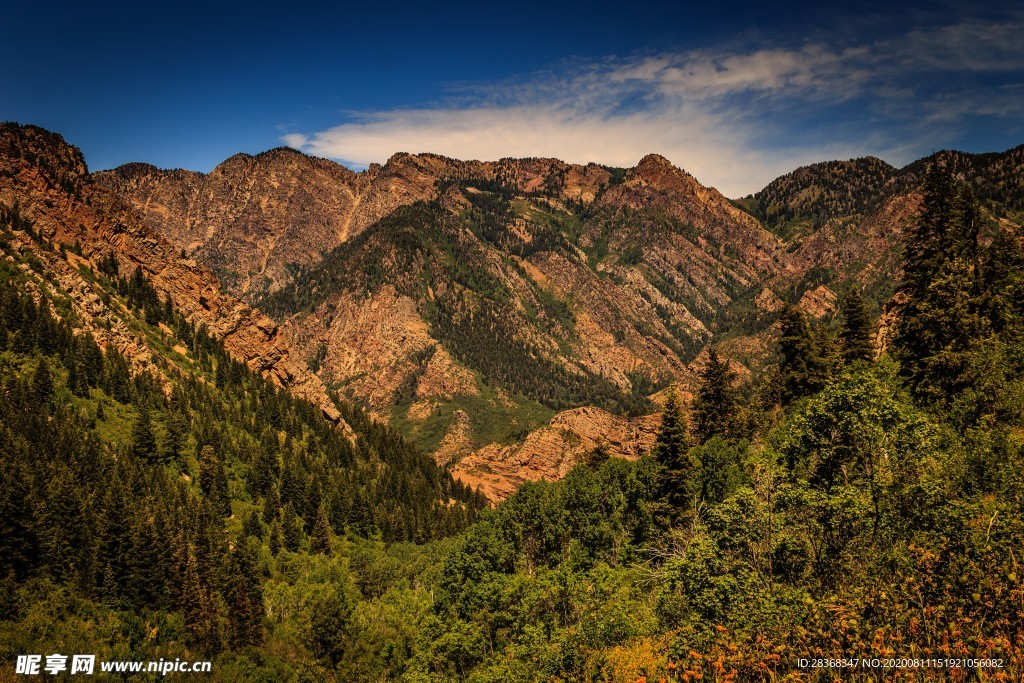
{"x":507,"y":317}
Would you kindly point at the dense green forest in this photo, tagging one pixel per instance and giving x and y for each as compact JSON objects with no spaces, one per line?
{"x":861,"y":507}
{"x":139,"y":511}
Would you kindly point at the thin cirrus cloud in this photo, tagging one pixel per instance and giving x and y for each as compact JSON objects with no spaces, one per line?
{"x":735,"y":119}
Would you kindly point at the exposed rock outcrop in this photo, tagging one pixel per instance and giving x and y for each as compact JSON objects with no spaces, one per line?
{"x":552,"y":451}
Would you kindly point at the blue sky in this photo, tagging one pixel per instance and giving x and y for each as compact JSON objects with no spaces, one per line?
{"x":736,"y":93}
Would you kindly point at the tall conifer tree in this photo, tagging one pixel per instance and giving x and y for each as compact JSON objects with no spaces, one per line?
{"x":940,"y":321}
{"x":715,"y":407}
{"x":244,"y":597}
{"x":213,"y":480}
{"x":802,"y":370}
{"x":671,"y":450}
{"x":143,"y":440}
{"x":855,"y":328}
{"x":320,"y":539}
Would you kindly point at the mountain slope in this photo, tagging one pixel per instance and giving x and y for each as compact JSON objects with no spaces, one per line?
{"x":176,"y":373}
{"x":472,"y":304}
{"x":526,"y":301}
{"x":48,"y":181}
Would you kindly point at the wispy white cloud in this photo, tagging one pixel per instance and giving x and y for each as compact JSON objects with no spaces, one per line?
{"x":694,"y":140}
{"x":735,"y":119}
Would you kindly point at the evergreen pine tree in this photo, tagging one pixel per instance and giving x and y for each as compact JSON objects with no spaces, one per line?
{"x":115,"y":537}
{"x":1003,"y":285}
{"x":42,"y":385}
{"x":19,"y":541}
{"x":264,"y":470}
{"x":76,"y":383}
{"x":855,"y":329}
{"x":328,"y":624}
{"x":213,"y":480}
{"x":198,"y":608}
{"x":145,"y":570}
{"x":177,"y":433}
{"x":827,"y":356}
{"x":671,"y":451}
{"x":59,"y":525}
{"x":271,"y":505}
{"x":928,"y":244}
{"x":252,"y":526}
{"x":802,"y":370}
{"x":291,"y":528}
{"x":143,"y":440}
{"x":320,"y":539}
{"x":939,"y":321}
{"x":111,"y":590}
{"x":89,"y":358}
{"x":117,"y":381}
{"x":715,"y":407}
{"x":244,"y":597}
{"x":276,"y":542}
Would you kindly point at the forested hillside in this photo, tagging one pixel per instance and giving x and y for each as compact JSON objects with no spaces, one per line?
{"x":485,"y":316}
{"x":139,"y":509}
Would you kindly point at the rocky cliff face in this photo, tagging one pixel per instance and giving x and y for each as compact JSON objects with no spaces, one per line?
{"x":76,"y":223}
{"x":736,"y":239}
{"x":553,"y":450}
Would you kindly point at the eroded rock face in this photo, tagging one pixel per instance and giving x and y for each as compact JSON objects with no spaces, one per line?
{"x":868,"y":249}
{"x":819,"y":302}
{"x":369,"y":345}
{"x":48,"y":180}
{"x":253,"y":217}
{"x":552,"y":451}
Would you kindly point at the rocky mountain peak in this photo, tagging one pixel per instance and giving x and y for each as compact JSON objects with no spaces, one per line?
{"x":397,"y":159}
{"x":282,"y":152}
{"x":422,"y":169}
{"x":807,"y":197}
{"x":235,"y":161}
{"x":660,"y":174}
{"x":654,"y":160}
{"x":135,"y":169}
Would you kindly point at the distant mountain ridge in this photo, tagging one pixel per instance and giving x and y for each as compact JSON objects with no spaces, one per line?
{"x":474,"y":303}
{"x":810,"y":196}
{"x":254,"y":216}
